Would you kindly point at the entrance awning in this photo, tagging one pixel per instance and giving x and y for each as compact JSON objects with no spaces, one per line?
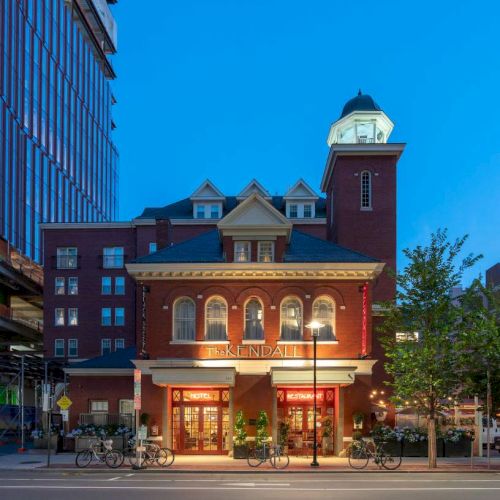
{"x":343,"y":375}
{"x":198,"y":377}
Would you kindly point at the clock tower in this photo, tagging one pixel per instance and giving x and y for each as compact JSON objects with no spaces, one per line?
{"x":360,"y":185}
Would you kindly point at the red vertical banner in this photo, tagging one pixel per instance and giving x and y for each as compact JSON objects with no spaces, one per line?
{"x":137,"y":389}
{"x":364,"y":321}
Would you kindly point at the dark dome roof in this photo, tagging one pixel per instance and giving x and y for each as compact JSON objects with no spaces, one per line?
{"x":362,"y":102}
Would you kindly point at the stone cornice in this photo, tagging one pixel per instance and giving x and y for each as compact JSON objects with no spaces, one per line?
{"x":256,"y":271}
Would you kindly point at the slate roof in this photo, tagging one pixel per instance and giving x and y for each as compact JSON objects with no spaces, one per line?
{"x":362,"y":102}
{"x":183,"y":209}
{"x":118,"y":359}
{"x":208,"y":248}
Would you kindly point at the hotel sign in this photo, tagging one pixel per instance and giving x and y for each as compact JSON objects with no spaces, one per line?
{"x":253,"y":351}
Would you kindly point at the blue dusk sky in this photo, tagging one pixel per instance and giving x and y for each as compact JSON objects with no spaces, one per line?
{"x":235,"y":89}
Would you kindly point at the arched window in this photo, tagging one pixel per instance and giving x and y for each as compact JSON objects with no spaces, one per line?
{"x":324,"y":313}
{"x":254,"y":320}
{"x":184,"y":319}
{"x":291,"y":319}
{"x":366,"y":189}
{"x":216,"y":319}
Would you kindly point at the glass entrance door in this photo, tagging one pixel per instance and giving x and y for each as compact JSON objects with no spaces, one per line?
{"x":192,"y":428}
{"x":301,"y":433}
{"x":202,"y":429}
{"x":210,"y":431}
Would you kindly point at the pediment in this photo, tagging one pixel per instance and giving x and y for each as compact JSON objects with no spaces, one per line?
{"x":207,"y":191}
{"x":255,"y":213}
{"x":301,"y":190}
{"x":252,"y":187}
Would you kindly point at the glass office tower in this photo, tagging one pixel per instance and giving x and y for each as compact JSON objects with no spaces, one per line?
{"x":58,"y":162}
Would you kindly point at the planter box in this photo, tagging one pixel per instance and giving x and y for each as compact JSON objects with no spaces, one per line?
{"x":240,"y":451}
{"x":420,"y":448}
{"x":393,"y":448}
{"x":68,"y":444}
{"x":83,"y":442}
{"x":41,"y":443}
{"x":460,"y":449}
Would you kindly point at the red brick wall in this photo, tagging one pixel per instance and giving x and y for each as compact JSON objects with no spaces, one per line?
{"x":370,"y":232}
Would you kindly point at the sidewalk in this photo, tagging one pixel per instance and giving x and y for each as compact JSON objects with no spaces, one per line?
{"x":223,"y":464}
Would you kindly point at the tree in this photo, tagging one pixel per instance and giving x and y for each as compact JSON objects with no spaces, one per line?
{"x":262,"y":423}
{"x":240,"y":434}
{"x":422,"y":363}
{"x":478,"y":345}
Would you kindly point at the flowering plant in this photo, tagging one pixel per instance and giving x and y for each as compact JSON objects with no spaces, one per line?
{"x":386,"y":433}
{"x":414,"y":435}
{"x":456,"y":434}
{"x":99,"y":430}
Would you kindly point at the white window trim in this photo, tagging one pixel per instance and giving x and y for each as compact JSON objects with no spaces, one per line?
{"x":249,"y":246}
{"x":102,"y":346}
{"x":69,"y":352}
{"x":300,"y":209}
{"x":73,"y":278}
{"x":259,"y":251}
{"x":63,"y":348}
{"x":114,"y":317}
{"x":369,"y":208}
{"x":110,"y":316}
{"x":122,"y":341}
{"x":99,"y":401}
{"x":63,"y":316}
{"x":114,"y":289}
{"x":262,"y":341}
{"x":69,"y":316}
{"x":63,"y":285}
{"x":207,"y":210}
{"x":210,"y":341}
{"x":174,"y":339}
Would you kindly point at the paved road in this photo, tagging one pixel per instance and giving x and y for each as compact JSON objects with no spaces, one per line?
{"x":292,"y":486}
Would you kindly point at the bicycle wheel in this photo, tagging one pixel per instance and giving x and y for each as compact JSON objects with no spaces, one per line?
{"x":133,"y":459}
{"x":389,"y":461}
{"x":254,"y":458}
{"x":83,"y":458}
{"x":113,"y":458}
{"x":165,"y":457}
{"x":358,"y":456}
{"x":280,"y":460}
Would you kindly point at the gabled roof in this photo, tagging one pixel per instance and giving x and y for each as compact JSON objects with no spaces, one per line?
{"x":253,"y":186}
{"x":255,"y":214}
{"x":118,"y":359}
{"x":300,"y":190}
{"x":207,"y":248}
{"x":207,"y":191}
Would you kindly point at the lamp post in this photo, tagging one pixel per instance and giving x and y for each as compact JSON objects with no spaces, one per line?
{"x":314,"y":326}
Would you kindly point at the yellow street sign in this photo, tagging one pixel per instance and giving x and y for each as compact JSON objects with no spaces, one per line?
{"x":64,"y":403}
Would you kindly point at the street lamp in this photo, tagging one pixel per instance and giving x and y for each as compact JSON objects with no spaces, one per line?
{"x":314,"y":326}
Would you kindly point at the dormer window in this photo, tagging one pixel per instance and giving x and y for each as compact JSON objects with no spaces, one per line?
{"x":307,"y":211}
{"x":293,"y":211}
{"x":214,"y":212}
{"x":200,"y":211}
{"x":241,"y":251}
{"x":266,"y":251}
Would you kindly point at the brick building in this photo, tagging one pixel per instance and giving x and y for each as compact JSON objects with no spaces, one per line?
{"x":214,"y":297}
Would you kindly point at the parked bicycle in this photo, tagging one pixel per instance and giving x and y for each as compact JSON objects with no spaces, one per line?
{"x":101,"y":451}
{"x":360,"y":452}
{"x":151,"y":454}
{"x":275,"y":454}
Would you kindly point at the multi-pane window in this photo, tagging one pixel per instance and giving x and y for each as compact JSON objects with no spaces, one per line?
{"x":266,"y":251}
{"x":324,"y":313}
{"x":152,"y":247}
{"x":200,"y":211}
{"x":98,"y":406}
{"x":73,"y":286}
{"x":294,"y":212}
{"x":184,"y":319}
{"x":59,"y":316}
{"x":126,"y":406}
{"x":58,"y":348}
{"x":106,"y":285}
{"x":120,"y":285}
{"x":119,"y":316}
{"x":105,"y":346}
{"x":366,"y":189}
{"x":106,"y":316}
{"x":307,"y":211}
{"x":254,"y":328}
{"x":119,"y":344}
{"x":241,"y":251}
{"x":67,"y":258}
{"x":214,"y":211}
{"x":59,"y":286}
{"x":291,"y":319}
{"x":73,"y":316}
{"x":73,"y":347}
{"x":216,"y":319}
{"x":113,"y":257}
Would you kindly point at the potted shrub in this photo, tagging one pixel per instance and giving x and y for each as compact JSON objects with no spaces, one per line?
{"x":392,"y":439}
{"x":327,"y":437}
{"x":358,"y":418}
{"x":284,"y":430}
{"x":414,"y":442}
{"x":240,"y":448}
{"x":262,"y":436}
{"x":457,"y":442}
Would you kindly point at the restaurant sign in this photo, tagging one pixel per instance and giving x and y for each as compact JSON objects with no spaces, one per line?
{"x":297,"y":397}
{"x":253,"y":351}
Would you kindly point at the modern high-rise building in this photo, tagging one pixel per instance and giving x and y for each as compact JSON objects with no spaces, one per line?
{"x":58,"y":162}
